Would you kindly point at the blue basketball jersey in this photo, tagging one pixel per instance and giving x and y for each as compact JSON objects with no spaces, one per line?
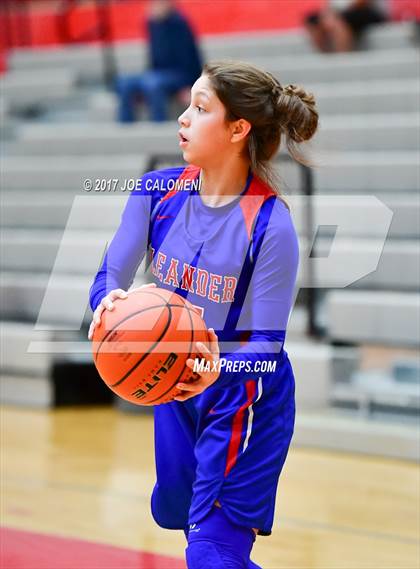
{"x":237,"y":264}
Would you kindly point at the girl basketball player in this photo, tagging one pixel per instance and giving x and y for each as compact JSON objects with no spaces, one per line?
{"x":225,"y":239}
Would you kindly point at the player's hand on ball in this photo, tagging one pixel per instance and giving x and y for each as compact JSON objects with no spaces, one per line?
{"x":107,"y":303}
{"x":207,"y":378}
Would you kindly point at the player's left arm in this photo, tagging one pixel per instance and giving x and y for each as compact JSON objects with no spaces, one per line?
{"x":271,"y":294}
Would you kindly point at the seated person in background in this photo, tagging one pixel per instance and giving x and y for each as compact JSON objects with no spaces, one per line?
{"x":175,"y":64}
{"x":339,"y":27}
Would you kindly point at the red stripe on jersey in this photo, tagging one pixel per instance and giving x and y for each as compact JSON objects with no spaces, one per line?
{"x":256,"y":194}
{"x":238,"y":419}
{"x":189,"y":173}
{"x":250,"y":207}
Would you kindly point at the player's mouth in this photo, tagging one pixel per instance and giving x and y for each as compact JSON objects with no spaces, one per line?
{"x":182,"y":140}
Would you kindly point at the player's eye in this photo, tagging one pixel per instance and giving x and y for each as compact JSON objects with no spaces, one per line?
{"x":200,"y":109}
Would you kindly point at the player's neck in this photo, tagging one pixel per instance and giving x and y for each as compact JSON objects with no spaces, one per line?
{"x":220,"y":185}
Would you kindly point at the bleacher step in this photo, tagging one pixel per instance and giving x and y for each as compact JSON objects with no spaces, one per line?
{"x":346,"y":98}
{"x":364,"y":132}
{"x":348,"y":432}
{"x":377,"y":387}
{"x":376,"y":317}
{"x":86,"y":60}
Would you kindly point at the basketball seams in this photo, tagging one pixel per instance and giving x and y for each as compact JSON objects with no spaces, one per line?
{"x":144,"y":356}
{"x":189,"y":355}
{"x":125,"y":320}
{"x":153,"y":293}
{"x":193,"y":316}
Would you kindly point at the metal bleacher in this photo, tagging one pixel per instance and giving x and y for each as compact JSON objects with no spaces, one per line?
{"x":367,"y":146}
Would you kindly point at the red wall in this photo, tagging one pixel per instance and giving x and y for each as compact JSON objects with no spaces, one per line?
{"x":127,"y":20}
{"x":39,"y":23}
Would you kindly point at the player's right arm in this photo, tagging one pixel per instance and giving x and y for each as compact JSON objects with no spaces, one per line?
{"x":124,"y":255}
{"x":126,"y":250}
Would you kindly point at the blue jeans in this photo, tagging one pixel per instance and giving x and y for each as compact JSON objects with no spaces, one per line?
{"x":155,"y":87}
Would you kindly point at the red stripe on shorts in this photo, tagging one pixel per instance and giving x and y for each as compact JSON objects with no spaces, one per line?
{"x":237,"y":424}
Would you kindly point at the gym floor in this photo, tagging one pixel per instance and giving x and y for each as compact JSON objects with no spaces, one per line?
{"x":76,"y":486}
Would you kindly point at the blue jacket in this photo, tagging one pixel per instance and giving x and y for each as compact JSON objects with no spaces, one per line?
{"x":173,"y":46}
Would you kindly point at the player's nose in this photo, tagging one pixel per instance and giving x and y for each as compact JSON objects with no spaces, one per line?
{"x":183,"y":119}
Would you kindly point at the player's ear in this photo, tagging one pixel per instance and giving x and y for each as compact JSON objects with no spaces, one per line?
{"x":240,"y":130}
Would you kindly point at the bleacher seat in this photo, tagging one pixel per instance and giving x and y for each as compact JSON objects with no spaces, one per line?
{"x":30,"y":88}
{"x":375,"y":317}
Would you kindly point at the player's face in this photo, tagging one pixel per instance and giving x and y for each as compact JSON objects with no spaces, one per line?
{"x":205,"y":137}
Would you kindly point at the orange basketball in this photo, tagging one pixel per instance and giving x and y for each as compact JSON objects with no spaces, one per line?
{"x":140,"y":348}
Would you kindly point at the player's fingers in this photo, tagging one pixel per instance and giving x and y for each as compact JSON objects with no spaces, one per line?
{"x":202,"y":348}
{"x":191,"y":387}
{"x":214,"y":342}
{"x":184,"y":397}
{"x":190,"y":362}
{"x":91,"y":329}
{"x":108,"y":300}
{"x":97,"y":313}
{"x":187,"y":395}
{"x":107,"y":303}
{"x":120,"y":293}
{"x":204,"y":351}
